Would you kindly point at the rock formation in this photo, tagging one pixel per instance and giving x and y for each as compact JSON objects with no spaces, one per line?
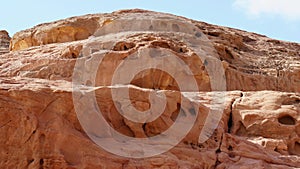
{"x":258,"y":127}
{"x":4,"y":42}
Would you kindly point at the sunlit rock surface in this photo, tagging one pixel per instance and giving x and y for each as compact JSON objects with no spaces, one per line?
{"x":259,"y":126}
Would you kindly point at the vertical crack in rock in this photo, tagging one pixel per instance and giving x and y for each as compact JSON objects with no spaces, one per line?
{"x":230,"y":118}
{"x":218,"y":151}
{"x":229,"y":126}
{"x":230,"y":121}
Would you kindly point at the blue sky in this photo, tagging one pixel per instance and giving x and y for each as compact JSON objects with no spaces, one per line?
{"x":278,"y":19}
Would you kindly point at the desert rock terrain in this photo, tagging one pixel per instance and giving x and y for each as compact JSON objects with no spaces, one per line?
{"x":255,"y":88}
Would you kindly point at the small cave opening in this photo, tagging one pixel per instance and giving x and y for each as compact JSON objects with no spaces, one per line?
{"x":287,"y":120}
{"x":124,"y":46}
{"x":176,"y":47}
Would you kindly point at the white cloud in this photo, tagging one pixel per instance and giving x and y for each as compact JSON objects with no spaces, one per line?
{"x":289,"y":9}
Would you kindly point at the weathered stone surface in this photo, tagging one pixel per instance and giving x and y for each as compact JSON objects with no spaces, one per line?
{"x":40,"y":128}
{"x":252,"y":62}
{"x":76,"y":28}
{"x":269,"y":120}
{"x":44,"y":126}
{"x":4,"y":42}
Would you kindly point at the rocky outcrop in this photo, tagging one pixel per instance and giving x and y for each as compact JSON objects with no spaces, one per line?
{"x":40,"y":129}
{"x":250,"y":122}
{"x":252,"y":62}
{"x":4,"y":42}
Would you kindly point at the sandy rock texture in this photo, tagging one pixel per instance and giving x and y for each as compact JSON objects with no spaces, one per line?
{"x":4,"y":42}
{"x":258,"y":126}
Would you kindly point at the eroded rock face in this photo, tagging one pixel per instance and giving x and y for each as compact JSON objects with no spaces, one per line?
{"x":4,"y":42}
{"x":252,"y":62}
{"x":255,"y":128}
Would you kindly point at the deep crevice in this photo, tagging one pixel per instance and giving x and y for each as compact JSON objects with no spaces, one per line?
{"x":41,"y":163}
{"x":218,"y":151}
{"x":230,"y":119}
{"x":144,"y":127}
{"x":230,"y":122}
